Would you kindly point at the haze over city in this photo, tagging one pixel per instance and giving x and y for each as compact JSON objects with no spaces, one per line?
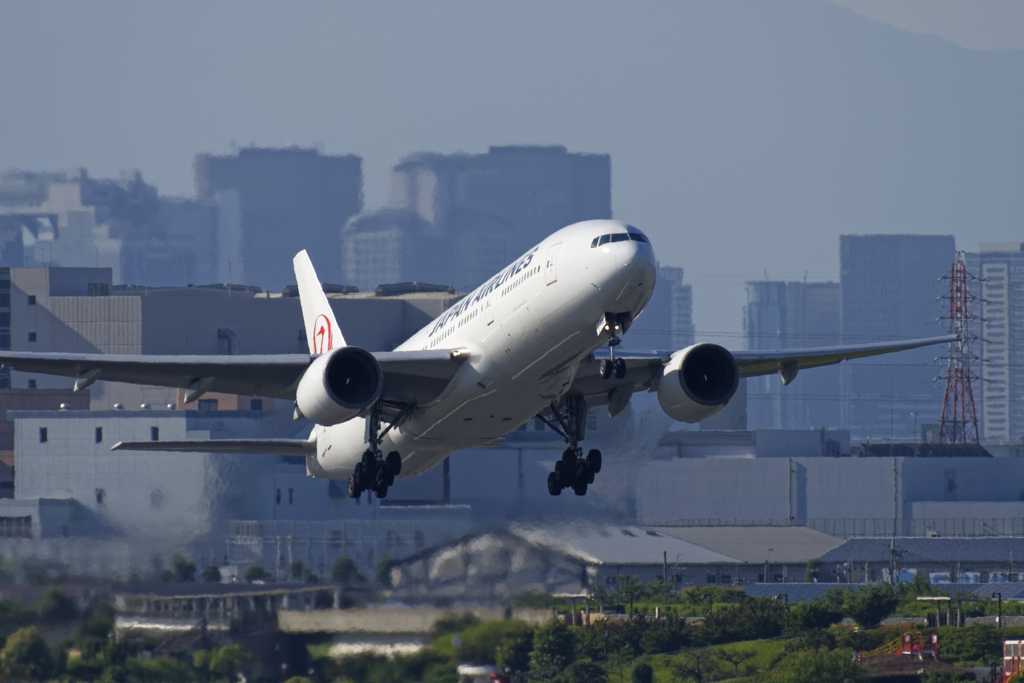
{"x":744,"y":137}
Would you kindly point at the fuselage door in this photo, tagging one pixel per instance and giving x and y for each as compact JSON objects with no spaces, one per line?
{"x":550,"y":272}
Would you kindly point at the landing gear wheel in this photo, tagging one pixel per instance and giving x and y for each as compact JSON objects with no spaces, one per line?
{"x":620,"y":368}
{"x":554,"y":486}
{"x":561,"y":476}
{"x":381,"y":491}
{"x":369,"y":463}
{"x":393,"y":463}
{"x":353,"y":490}
{"x":607,"y":368}
{"x":583,"y":473}
{"x":594,"y":460}
{"x":580,"y":488}
{"x":358,"y":477}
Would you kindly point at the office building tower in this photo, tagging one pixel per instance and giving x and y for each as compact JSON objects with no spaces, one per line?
{"x":458,"y":219}
{"x":272,"y":203}
{"x":891,"y":289}
{"x":997,"y":308}
{"x":793,"y":315}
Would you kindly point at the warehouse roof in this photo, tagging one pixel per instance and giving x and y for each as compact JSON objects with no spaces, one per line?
{"x":945,"y":550}
{"x":613,"y":545}
{"x":751,"y":544}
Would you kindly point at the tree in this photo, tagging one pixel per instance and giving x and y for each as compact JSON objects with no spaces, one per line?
{"x":254,"y":572}
{"x":816,"y":666}
{"x":55,"y":605}
{"x":553,"y":650}
{"x":630,"y":589}
{"x":184,"y":569}
{"x":211,"y":574}
{"x":227,"y":661}
{"x":344,"y":571}
{"x":383,"y":571}
{"x":296,"y":570}
{"x":513,"y":653}
{"x":811,"y":572}
{"x":736,"y":658}
{"x":697,"y":665}
{"x":868,"y":606}
{"x":619,"y":660}
{"x":26,"y":656}
{"x":585,"y":672}
{"x":642,"y":673}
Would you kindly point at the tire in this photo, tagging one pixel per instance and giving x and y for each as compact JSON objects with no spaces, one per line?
{"x":620,"y":368}
{"x":389,"y":479}
{"x":381,"y":492}
{"x":561,"y":476}
{"x":594,"y":460}
{"x":369,"y":464}
{"x":580,"y":488}
{"x":357,"y":476}
{"x":394,"y":463}
{"x":590,"y":475}
{"x":582,"y":473}
{"x":554,"y":487}
{"x":353,"y":490}
{"x":606,"y":368}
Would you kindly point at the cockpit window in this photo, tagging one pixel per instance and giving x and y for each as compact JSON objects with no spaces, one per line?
{"x":618,"y":237}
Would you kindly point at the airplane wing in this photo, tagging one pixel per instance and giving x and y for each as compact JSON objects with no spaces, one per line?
{"x":409,"y":376}
{"x":295,"y":447}
{"x":644,"y":369}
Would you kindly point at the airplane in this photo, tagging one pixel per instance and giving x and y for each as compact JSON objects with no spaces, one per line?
{"x":538,"y":339}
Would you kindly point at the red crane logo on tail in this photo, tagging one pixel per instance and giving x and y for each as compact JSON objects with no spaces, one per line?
{"x":322,"y":338}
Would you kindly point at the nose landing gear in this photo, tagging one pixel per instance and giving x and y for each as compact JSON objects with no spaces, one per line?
{"x":613,"y":325}
{"x":572,"y":470}
{"x":375,"y":472}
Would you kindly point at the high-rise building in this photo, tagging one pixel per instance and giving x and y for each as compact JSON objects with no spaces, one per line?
{"x":793,"y":315}
{"x":272,"y":203}
{"x":74,"y":221}
{"x":998,"y":308}
{"x":667,"y":322}
{"x":457,"y":219}
{"x":891,"y":289}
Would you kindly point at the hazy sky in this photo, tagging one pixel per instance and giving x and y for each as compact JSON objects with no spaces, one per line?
{"x":745,"y":136}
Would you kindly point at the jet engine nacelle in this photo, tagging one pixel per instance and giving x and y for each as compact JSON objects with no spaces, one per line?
{"x":339,"y":385}
{"x":697,"y":382}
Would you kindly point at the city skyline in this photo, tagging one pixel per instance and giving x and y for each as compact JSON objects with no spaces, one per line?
{"x":740,"y":138}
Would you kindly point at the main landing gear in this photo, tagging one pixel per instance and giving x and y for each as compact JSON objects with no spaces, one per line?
{"x":572,"y":470}
{"x":614,"y":325}
{"x":375,"y":472}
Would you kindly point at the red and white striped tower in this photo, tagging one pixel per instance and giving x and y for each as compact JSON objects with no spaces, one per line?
{"x":959,"y":423}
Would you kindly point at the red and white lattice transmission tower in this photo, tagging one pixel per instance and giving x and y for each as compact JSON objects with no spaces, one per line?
{"x":959,"y":423}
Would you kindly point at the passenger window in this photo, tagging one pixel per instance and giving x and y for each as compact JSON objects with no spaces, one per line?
{"x":620,"y":237}
{"x":594,"y":243}
{"x":604,"y":239}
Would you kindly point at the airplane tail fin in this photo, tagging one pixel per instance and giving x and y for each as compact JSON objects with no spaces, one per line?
{"x":322,"y":331}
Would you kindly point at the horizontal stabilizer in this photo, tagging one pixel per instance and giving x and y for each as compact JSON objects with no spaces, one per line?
{"x":297,"y":447}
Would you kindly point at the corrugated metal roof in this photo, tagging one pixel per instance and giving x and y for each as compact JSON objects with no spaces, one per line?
{"x":796,"y":592}
{"x":990,"y":549}
{"x":612,"y":545}
{"x":753,"y":544}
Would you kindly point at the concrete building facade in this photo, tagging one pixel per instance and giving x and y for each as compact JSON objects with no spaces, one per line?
{"x":793,"y":315}
{"x":272,"y":203}
{"x":891,"y":289}
{"x":999,"y":325}
{"x":458,"y":219}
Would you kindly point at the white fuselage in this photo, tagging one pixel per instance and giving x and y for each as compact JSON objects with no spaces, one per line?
{"x":526,"y":329}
